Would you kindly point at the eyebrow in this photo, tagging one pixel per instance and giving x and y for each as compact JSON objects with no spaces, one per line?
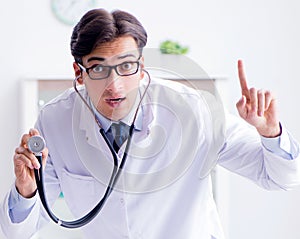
{"x":126,"y":55}
{"x":96,"y":58}
{"x":103,"y":59}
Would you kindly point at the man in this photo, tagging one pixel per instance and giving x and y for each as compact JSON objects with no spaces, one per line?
{"x":162,"y":190}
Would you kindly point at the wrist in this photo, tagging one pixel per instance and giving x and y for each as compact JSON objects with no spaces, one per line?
{"x":26,"y":191}
{"x":271,"y":132}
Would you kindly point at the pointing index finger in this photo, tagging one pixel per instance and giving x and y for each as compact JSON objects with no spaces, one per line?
{"x":243,"y":81}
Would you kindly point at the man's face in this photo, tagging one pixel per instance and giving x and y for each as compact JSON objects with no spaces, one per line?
{"x":115,"y":95}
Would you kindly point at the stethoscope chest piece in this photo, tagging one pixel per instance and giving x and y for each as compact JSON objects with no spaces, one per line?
{"x":36,"y":144}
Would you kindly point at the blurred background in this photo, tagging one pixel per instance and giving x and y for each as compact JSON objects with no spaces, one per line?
{"x":34,"y":44}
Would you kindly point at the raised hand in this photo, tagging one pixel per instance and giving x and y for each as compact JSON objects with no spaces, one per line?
{"x":258,"y":107}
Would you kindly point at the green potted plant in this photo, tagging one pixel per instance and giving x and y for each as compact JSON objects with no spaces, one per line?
{"x":172,"y":47}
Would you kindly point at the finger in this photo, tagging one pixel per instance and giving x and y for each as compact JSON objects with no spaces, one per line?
{"x":25,"y":153}
{"x":253,"y":100}
{"x":21,"y":160}
{"x":261,"y":102}
{"x":24,"y":140}
{"x":242,"y":78}
{"x":241,"y":107}
{"x":33,"y":132}
{"x":268,"y":99}
{"x":44,"y":156}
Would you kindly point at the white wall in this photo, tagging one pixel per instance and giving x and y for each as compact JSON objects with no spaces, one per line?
{"x":263,"y":33}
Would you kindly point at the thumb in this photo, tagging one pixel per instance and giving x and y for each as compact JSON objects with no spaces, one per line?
{"x":44,"y":157}
{"x":241,"y":106}
{"x":33,"y":132}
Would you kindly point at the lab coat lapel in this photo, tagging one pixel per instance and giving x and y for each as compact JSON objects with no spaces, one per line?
{"x":91,"y":147}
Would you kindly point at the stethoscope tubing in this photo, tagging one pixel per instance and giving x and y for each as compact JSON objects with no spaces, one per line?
{"x":116,"y":172}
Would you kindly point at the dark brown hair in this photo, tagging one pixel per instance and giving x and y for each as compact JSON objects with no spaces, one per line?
{"x":99,"y":26}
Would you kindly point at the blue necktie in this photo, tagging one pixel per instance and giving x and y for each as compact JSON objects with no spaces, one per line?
{"x":119,"y":132}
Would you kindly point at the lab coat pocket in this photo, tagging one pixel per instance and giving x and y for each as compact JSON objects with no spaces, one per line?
{"x":81,"y":192}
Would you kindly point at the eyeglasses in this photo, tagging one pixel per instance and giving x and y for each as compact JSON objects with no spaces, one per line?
{"x":99,"y":72}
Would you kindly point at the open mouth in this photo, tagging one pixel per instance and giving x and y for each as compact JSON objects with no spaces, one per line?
{"x":113,"y":100}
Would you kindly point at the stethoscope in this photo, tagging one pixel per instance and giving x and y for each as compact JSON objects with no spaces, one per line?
{"x":36,"y":144}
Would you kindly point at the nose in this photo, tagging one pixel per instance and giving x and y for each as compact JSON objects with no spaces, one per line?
{"x":114,"y":81}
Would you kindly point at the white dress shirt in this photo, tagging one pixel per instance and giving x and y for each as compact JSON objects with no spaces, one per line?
{"x":165,"y":190}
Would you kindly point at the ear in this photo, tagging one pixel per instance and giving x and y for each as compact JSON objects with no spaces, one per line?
{"x":142,"y":66}
{"x":78,"y":73}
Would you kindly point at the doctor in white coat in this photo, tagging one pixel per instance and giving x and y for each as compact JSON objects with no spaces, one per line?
{"x":165,"y":189}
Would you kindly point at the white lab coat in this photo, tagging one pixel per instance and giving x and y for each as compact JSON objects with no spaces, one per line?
{"x":165,"y":190}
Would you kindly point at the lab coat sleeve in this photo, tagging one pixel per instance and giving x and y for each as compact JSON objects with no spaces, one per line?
{"x":19,"y":207}
{"x":23,"y":229}
{"x":37,"y":216}
{"x":244,"y":153}
{"x":283,"y":145}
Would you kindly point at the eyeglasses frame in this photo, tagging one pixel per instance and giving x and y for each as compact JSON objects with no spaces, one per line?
{"x":87,"y":69}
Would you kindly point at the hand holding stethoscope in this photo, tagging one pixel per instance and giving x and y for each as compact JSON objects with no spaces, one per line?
{"x":24,"y":164}
{"x":30,"y":159}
